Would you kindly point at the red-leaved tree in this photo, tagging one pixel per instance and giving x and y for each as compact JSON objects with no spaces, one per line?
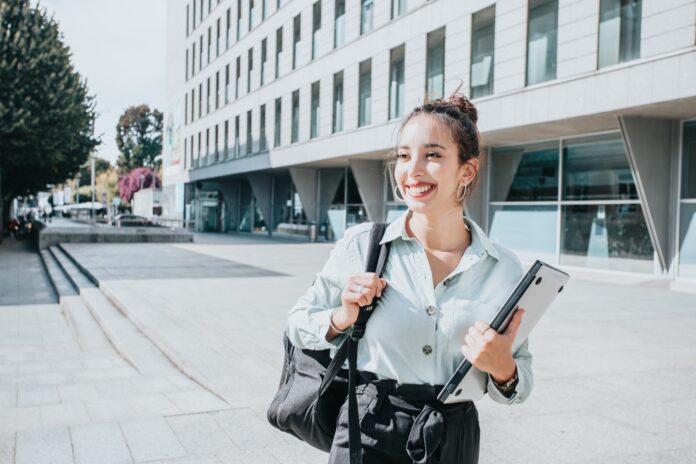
{"x":136,"y":179}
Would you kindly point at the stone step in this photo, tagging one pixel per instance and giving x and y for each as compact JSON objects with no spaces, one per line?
{"x":78,"y":279}
{"x":89,"y":334}
{"x":128,"y":341}
{"x":61,"y":284}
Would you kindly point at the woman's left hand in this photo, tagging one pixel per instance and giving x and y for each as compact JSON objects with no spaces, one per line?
{"x":490,"y":351}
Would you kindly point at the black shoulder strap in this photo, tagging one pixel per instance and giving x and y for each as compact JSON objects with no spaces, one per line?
{"x":376,"y":260}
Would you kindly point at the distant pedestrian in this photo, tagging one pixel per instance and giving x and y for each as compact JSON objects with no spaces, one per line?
{"x":443,"y":280}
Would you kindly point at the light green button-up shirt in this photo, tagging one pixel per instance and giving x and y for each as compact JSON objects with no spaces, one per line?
{"x":417,"y":330}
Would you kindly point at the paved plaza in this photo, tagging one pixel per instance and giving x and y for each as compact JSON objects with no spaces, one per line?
{"x":175,"y":355}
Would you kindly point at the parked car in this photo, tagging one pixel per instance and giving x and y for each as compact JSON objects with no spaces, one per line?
{"x":132,"y":220}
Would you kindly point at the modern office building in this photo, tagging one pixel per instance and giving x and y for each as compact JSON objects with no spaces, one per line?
{"x":283,"y":113}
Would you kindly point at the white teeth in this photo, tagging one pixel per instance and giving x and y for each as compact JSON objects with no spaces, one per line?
{"x":420,"y":189}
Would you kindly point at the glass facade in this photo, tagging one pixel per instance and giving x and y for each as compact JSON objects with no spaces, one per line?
{"x":316,"y":28}
{"x":366,"y":14}
{"x":435,"y":65}
{"x":687,"y":216}
{"x":276,"y":122}
{"x":365,"y":94}
{"x":398,"y":7}
{"x":340,"y":205}
{"x":397,"y":93}
{"x":339,"y":23}
{"x":619,"y":31}
{"x":295,"y":128}
{"x":482,"y":52}
{"x":542,"y":41}
{"x":296,"y":34}
{"x":588,"y":216}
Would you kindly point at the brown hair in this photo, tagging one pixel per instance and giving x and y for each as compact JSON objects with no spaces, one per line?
{"x":459,"y":116}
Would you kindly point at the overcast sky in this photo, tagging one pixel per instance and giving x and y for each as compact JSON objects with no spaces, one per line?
{"x":119,"y":47}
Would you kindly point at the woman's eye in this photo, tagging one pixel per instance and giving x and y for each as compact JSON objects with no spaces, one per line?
{"x":401,"y":155}
{"x":433,"y":153}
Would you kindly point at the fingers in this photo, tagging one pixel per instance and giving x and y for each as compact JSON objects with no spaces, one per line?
{"x":361,"y":289}
{"x":514,"y":324}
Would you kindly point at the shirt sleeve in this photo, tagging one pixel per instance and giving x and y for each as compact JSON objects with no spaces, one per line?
{"x":523,"y":359}
{"x":308,"y":320}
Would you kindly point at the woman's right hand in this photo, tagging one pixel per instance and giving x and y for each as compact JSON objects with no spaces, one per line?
{"x":359,"y":291}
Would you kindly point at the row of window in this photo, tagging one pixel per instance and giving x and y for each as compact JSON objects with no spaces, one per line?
{"x":194,"y":57}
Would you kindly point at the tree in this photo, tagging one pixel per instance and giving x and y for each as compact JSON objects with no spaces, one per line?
{"x":139,"y":138}
{"x":138,"y":178}
{"x":100,"y":165}
{"x":46,"y":114}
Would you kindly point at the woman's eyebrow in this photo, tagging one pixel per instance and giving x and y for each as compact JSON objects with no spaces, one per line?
{"x":427,"y":145}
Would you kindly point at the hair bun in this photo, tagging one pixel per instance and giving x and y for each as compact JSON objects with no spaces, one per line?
{"x":464,"y":105}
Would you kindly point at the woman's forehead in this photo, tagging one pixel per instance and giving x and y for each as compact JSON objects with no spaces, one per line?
{"x":425,"y":130}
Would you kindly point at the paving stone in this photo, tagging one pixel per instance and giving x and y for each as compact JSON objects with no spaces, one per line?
{"x":247,"y":430}
{"x":251,"y":456}
{"x":8,"y":398}
{"x":100,"y":444}
{"x":81,"y":392}
{"x":198,"y":400}
{"x":19,"y":419}
{"x":51,"y":446}
{"x":151,"y":439}
{"x":64,"y":414}
{"x":200,"y":434}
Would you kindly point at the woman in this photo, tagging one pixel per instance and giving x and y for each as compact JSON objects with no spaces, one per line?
{"x":443,"y":280}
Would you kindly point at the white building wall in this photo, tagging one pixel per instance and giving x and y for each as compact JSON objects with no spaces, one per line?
{"x":667,"y":25}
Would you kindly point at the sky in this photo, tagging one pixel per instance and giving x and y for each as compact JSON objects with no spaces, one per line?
{"x":119,"y":47}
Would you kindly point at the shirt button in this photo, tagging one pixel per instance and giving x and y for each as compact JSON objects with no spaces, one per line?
{"x":430,"y":310}
{"x":427,"y":349}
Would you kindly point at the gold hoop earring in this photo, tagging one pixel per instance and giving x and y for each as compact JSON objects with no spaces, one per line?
{"x":396,"y":193}
{"x":461,"y":197}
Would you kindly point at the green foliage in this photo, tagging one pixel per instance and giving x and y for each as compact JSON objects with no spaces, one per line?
{"x":100,"y":165}
{"x":46,"y":114}
{"x":139,"y":138}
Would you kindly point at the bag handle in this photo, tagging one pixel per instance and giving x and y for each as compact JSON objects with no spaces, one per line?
{"x":376,"y":260}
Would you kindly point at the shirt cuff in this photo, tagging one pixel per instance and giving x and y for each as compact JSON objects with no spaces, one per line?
{"x":323,"y":321}
{"x":498,"y":396}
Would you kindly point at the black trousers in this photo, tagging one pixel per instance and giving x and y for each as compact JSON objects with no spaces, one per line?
{"x":406,"y":424}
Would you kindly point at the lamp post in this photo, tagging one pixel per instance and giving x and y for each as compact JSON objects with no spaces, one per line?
{"x":91,"y":211}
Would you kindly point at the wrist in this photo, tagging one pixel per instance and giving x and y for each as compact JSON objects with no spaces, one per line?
{"x":507,"y":372}
{"x":339,"y":319}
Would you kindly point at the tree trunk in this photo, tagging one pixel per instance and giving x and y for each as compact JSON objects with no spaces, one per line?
{"x":2,"y":210}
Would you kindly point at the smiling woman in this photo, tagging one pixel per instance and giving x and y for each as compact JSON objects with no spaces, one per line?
{"x":442,"y":284}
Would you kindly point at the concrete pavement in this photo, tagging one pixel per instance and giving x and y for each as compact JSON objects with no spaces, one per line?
{"x":23,"y":279}
{"x":201,"y":325}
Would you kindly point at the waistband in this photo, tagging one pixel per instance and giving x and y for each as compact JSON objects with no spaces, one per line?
{"x":409,"y":392}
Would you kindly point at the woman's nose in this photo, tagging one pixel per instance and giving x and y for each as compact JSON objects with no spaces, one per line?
{"x":416,"y":166}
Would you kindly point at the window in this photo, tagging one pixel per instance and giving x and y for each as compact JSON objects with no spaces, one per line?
{"x":398,"y":7}
{"x":279,"y":50}
{"x":239,"y":18}
{"x":264,"y":61}
{"x":236,"y":137}
{"x":619,"y":31}
{"x":276,"y":122}
{"x":217,"y":141}
{"x":295,"y":129}
{"x":201,"y":12}
{"x":228,"y":28}
{"x":295,"y":40}
{"x":316,"y":26}
{"x":194,"y":14}
{"x":482,"y":48}
{"x":200,"y":100}
{"x":207,"y":96}
{"x":193,"y":103}
{"x":207,"y":146}
{"x":200,"y":145}
{"x":193,"y":59}
{"x":687,"y":203}
{"x":185,"y":151}
{"x":190,"y":150}
{"x":366,"y":13}
{"x":188,"y":8}
{"x":187,"y":63}
{"x":249,"y":137}
{"x":337,"y":117}
{"x":227,"y":84}
{"x":252,"y":14}
{"x":264,"y":9}
{"x":200,"y":53}
{"x":237,"y":77}
{"x":217,"y":38}
{"x":210,"y":38}
{"x":365,"y":94}
{"x":314,"y":111}
{"x":542,"y":40}
{"x":339,"y":23}
{"x":262,"y":128}
{"x":186,"y":109}
{"x":396,"y":82}
{"x":250,"y":67}
{"x":217,"y":90}
{"x":435,"y":65}
{"x":226,"y":142}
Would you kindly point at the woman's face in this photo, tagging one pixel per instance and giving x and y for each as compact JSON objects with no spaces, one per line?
{"x":428,"y":171}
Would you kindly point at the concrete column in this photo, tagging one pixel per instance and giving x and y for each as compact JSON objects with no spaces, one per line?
{"x":305,"y":181}
{"x":649,"y":146}
{"x":230,"y":198}
{"x":262,"y":186}
{"x":369,"y":176}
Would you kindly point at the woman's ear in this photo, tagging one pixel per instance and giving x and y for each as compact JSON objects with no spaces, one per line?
{"x":469,"y":171}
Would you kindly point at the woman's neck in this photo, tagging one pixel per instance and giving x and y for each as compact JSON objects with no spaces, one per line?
{"x":442,"y":232}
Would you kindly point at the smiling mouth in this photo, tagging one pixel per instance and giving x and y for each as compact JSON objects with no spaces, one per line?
{"x":419,"y":191}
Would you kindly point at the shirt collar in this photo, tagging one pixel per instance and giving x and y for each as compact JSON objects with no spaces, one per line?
{"x":479,"y":241}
